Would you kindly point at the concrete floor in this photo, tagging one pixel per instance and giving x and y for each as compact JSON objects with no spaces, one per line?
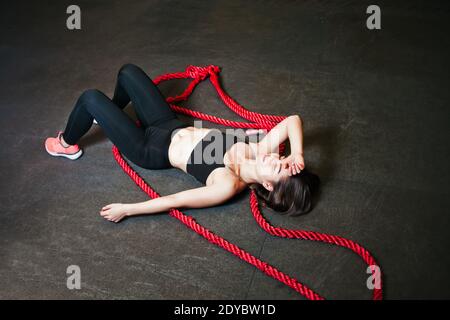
{"x":375,"y":106}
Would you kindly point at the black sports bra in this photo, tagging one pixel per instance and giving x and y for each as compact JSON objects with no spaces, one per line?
{"x":203,"y":159}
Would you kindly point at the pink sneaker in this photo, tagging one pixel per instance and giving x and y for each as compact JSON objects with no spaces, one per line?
{"x":55,"y":148}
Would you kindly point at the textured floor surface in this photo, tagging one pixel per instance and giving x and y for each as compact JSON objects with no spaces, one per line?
{"x":375,"y":106}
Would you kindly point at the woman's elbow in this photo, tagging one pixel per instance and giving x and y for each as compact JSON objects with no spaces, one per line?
{"x":296,"y":117}
{"x":174,"y":201}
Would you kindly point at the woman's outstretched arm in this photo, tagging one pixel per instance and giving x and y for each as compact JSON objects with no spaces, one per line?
{"x":202,"y":197}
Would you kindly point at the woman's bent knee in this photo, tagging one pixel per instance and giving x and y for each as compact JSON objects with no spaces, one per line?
{"x":92,"y":96}
{"x":129,"y":69}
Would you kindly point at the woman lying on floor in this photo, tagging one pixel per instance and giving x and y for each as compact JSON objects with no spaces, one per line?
{"x":164,"y":141}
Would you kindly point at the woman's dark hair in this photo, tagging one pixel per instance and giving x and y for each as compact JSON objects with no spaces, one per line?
{"x":291,"y":195}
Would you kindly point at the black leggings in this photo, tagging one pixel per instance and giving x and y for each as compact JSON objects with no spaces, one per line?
{"x":148,"y":145}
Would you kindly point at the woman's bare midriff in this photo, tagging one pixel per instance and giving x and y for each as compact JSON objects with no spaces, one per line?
{"x":184,"y":141}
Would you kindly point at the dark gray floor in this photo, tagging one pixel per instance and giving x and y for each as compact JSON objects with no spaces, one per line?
{"x":375,"y":106}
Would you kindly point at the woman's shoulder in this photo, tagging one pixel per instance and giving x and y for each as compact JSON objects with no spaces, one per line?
{"x":226,"y":176}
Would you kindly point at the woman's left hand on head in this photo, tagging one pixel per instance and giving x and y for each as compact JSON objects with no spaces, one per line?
{"x":114,"y":212}
{"x":296,"y":163}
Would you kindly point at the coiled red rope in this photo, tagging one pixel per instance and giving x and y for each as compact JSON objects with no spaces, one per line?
{"x":258,"y":121}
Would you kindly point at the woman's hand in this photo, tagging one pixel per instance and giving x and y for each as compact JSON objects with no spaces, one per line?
{"x":296,"y":163}
{"x":114,"y":212}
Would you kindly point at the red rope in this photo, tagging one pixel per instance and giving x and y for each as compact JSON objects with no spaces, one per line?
{"x":259,"y":121}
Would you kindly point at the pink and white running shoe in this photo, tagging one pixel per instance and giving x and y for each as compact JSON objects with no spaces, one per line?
{"x":56,"y":149}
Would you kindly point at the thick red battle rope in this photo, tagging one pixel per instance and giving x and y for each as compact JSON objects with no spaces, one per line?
{"x":258,"y":121}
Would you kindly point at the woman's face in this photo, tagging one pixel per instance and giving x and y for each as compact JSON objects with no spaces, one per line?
{"x":270,"y":168}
